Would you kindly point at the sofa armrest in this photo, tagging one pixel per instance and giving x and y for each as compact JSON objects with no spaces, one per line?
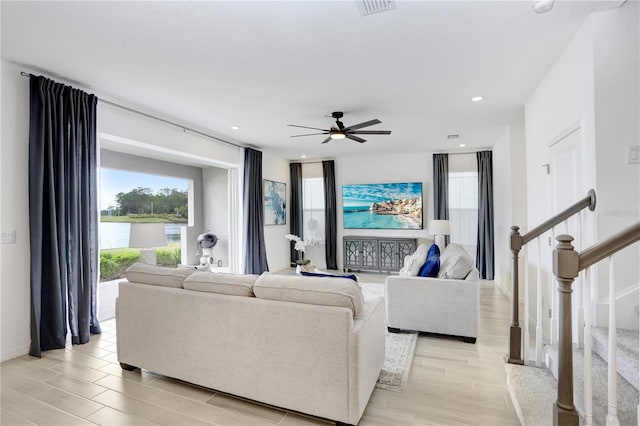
{"x":366,"y":355}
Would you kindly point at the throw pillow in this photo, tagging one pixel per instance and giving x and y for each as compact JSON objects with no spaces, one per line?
{"x":455,"y":263}
{"x":432,"y":264}
{"x":319,"y":274}
{"x":413,"y":262}
{"x":318,"y":291}
{"x":157,"y":275}
{"x":233,"y":284}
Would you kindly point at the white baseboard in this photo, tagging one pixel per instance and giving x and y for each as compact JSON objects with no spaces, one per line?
{"x":15,"y":353}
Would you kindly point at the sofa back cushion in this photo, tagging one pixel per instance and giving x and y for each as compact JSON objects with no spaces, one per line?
{"x":235,"y":285}
{"x":312,"y":290}
{"x":157,"y":275}
{"x":455,"y":263}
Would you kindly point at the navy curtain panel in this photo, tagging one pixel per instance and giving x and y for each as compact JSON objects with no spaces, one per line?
{"x":330,"y":214}
{"x":63,"y":215}
{"x":255,"y":260}
{"x":484,"y":250}
{"x":295,"y":225}
{"x":441,"y":188}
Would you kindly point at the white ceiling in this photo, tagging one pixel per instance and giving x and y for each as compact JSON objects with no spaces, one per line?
{"x":262,"y":65}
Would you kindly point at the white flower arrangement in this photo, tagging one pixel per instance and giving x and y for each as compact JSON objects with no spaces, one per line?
{"x":300,"y":247}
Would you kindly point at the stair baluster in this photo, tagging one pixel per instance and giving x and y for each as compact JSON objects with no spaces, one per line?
{"x":538,"y":306}
{"x":588,"y":344}
{"x":612,"y":374}
{"x":553,"y":303}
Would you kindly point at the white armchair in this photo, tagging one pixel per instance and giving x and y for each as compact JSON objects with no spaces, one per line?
{"x":434,"y":305}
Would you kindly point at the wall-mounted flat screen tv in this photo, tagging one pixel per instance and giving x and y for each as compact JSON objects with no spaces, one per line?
{"x":382,"y":206}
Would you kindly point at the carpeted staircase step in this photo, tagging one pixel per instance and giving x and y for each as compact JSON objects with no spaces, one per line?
{"x":627,"y":358}
{"x":627,"y":394}
{"x":533,"y":392}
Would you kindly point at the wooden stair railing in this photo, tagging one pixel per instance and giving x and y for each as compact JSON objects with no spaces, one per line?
{"x":517,"y":242}
{"x":567,"y":263}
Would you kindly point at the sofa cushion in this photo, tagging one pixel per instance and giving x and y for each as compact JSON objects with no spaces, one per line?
{"x":312,"y":290}
{"x":455,"y":263}
{"x":432,"y":264}
{"x":413,"y":262}
{"x":157,"y":275}
{"x":233,"y":284}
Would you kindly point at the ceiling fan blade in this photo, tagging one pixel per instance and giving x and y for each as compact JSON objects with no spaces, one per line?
{"x":327,"y":140}
{"x":371,"y":132}
{"x":355,"y":138}
{"x":305,"y":127}
{"x":310,"y":134}
{"x":365,"y":124}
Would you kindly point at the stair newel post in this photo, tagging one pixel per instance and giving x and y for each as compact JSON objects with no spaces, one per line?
{"x":515,"y":335}
{"x":565,"y":268}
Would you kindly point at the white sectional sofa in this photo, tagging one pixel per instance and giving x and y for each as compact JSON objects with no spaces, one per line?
{"x":437,"y":305}
{"x":300,"y":355}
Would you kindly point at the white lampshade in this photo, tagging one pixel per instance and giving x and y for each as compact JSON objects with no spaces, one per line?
{"x":147,"y":235}
{"x":439,"y":227}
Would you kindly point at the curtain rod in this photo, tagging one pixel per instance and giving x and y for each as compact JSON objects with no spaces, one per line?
{"x":135,"y":111}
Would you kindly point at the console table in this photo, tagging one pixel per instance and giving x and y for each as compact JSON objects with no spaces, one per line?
{"x":380,"y":254}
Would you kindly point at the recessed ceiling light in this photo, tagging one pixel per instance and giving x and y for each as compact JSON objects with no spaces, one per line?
{"x":462,"y":145}
{"x":235,"y":127}
{"x":477,"y":98}
{"x":303,"y":156}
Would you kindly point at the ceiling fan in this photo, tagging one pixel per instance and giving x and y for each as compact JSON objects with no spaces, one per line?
{"x":339,"y":131}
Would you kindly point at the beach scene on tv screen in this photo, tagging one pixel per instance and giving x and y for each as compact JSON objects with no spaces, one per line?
{"x":382,"y":206}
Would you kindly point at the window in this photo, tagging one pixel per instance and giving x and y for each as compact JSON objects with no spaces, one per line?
{"x":313,"y":209}
{"x":130,"y":197}
{"x":463,"y":201}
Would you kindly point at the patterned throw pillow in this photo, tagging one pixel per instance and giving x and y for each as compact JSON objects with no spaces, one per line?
{"x":413,"y":262}
{"x":432,"y":264}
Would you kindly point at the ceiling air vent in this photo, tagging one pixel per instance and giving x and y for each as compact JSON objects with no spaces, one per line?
{"x":369,"y":7}
{"x":453,"y":136}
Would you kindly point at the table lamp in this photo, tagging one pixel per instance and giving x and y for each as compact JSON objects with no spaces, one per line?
{"x":147,"y":236}
{"x":439,"y":228}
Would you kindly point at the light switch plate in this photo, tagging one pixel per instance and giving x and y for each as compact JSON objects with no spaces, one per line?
{"x":633,"y":155}
{"x":8,"y":237}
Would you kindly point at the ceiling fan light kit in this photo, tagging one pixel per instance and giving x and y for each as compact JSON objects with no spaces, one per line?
{"x":340,"y":131}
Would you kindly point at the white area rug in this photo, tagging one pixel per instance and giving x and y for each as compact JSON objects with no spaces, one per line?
{"x":399,"y":349}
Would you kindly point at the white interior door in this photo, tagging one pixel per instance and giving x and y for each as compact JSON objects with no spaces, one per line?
{"x":566,"y":189}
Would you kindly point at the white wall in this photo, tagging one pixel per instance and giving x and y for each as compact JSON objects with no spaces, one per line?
{"x":14,"y":196}
{"x":617,"y":93}
{"x":278,"y":249}
{"x":409,"y":167}
{"x":509,"y":201}
{"x":216,"y":209}
{"x":594,"y":83}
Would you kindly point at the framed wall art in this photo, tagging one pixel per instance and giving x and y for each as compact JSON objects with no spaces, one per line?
{"x":275,"y":203}
{"x":382,"y":206}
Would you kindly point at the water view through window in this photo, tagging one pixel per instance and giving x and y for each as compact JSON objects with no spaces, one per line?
{"x":131,"y":197}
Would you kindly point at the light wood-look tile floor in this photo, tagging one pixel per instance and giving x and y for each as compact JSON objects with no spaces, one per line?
{"x":450,"y":383}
